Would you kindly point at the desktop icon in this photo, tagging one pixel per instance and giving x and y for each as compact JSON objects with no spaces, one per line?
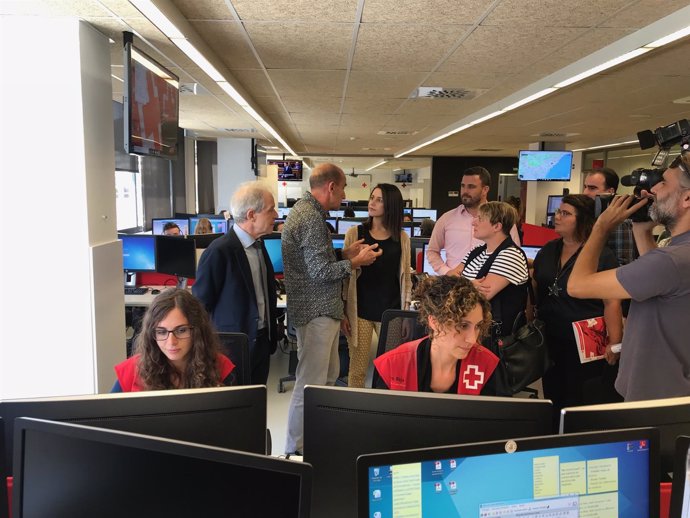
{"x":376,"y":494}
{"x":438,"y":486}
{"x":377,"y":514}
{"x":453,"y":464}
{"x":452,"y":485}
{"x":376,"y":472}
{"x":438,"y":465}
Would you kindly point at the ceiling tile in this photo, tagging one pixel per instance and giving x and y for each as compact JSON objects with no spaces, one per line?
{"x":416,"y":12}
{"x":377,"y":106}
{"x":229,"y":41}
{"x":311,"y":83}
{"x":204,"y":9}
{"x":297,"y":10}
{"x":402,"y":47}
{"x":643,"y":13}
{"x":255,"y":82}
{"x":298,"y":45}
{"x":378,"y":84}
{"x":541,"y":14}
{"x":312,"y":105}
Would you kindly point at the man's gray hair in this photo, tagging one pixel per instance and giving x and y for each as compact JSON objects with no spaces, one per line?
{"x":248,"y":196}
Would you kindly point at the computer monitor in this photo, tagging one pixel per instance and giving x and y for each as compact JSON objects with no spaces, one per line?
{"x":272,"y":243}
{"x":176,"y":255}
{"x":157,"y":225}
{"x":207,"y":416}
{"x":671,"y":416}
{"x":413,"y":228}
{"x":67,"y":470}
{"x":417,"y":245}
{"x":341,"y":423}
{"x":138,"y":252}
{"x":4,"y":511}
{"x":203,"y":240}
{"x":283,"y":212}
{"x":219,"y":224}
{"x":680,"y":492}
{"x":570,"y":476}
{"x":345,"y":223}
{"x":338,"y":241}
{"x":552,"y":203}
{"x":336,"y":213}
{"x":422,"y":214}
{"x":531,"y":251}
{"x":363,"y":213}
{"x":333,"y":222}
{"x":427,"y":265}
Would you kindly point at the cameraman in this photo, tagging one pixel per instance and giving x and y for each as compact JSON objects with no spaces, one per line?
{"x":655,"y":354}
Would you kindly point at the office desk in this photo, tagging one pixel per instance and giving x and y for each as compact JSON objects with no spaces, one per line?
{"x":146,"y":299}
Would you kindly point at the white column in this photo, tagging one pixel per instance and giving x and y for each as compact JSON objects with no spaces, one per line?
{"x":234,"y":168}
{"x":62,"y":314}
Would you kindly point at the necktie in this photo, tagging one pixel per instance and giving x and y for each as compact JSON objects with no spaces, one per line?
{"x":262,"y":270}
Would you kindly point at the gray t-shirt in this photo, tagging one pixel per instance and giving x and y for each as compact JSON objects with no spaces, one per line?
{"x":655,"y":357}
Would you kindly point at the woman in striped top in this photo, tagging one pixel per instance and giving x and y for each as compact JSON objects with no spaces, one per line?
{"x":498,"y":268}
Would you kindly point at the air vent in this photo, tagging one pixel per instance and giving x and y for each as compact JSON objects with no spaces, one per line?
{"x":397,"y":132}
{"x":487,"y":149}
{"x":239,"y":130}
{"x":440,"y":92}
{"x":552,"y":134}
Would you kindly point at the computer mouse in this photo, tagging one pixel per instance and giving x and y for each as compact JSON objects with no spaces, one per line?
{"x":155,"y":292}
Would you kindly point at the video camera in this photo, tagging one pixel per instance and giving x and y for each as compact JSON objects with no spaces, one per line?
{"x":641,"y":179}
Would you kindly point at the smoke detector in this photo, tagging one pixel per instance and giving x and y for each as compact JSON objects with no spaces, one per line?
{"x":442,"y":92}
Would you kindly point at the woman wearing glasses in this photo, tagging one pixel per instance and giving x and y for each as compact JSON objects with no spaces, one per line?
{"x":176,"y":348}
{"x":570,"y":382}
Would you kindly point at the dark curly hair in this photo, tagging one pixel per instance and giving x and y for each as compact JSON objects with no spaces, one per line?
{"x":448,"y":299}
{"x":154,"y":369}
{"x":584,"y":214}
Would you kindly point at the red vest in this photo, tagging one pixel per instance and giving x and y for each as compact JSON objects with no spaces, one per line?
{"x":398,"y":368}
{"x":129,"y":379}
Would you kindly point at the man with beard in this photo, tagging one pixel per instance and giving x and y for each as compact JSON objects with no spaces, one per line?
{"x":453,"y":231}
{"x":655,"y":357}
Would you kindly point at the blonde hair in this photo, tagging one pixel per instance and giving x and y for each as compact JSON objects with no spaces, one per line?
{"x":499,"y":212}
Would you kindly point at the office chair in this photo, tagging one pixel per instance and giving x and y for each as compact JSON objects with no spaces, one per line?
{"x":236,"y":347}
{"x":397,"y":327}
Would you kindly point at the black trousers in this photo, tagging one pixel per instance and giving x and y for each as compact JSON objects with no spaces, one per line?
{"x":260,"y":358}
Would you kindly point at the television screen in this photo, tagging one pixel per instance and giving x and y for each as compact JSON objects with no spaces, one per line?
{"x":288,"y":170}
{"x":158,"y":225}
{"x":151,"y":104}
{"x":545,"y":165}
{"x":219,"y":225}
{"x":138,"y":253}
{"x":421,"y":214}
{"x":404,"y":177}
{"x":554,"y":201}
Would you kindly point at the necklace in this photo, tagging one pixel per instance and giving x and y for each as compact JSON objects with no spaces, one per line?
{"x":554,"y":289}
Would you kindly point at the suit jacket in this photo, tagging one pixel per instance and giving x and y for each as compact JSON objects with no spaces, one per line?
{"x":224,"y":284}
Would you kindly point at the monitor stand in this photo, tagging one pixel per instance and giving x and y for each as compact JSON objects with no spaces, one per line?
{"x":130,"y":279}
{"x":181,"y":283}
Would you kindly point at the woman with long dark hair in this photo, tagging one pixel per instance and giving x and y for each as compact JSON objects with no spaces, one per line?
{"x":570,"y":382}
{"x":176,"y":348}
{"x":385,"y":284}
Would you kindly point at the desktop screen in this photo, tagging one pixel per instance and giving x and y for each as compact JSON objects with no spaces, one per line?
{"x":590,"y":475}
{"x":554,"y":201}
{"x":427,"y":265}
{"x":220,"y":224}
{"x":283,"y":212}
{"x":420,"y":214}
{"x":157,"y":225}
{"x":531,"y":251}
{"x":344,"y":224}
{"x":272,"y":243}
{"x":337,"y":213}
{"x":361,"y":214}
{"x":67,"y":470}
{"x":176,"y":255}
{"x":138,"y":253}
{"x":338,"y":241}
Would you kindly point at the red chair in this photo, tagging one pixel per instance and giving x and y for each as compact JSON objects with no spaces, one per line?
{"x":533,"y":235}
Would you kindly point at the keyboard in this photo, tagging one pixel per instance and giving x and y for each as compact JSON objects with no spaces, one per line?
{"x":139,"y":290}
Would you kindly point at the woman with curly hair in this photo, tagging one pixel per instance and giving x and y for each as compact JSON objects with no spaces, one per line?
{"x":450,"y":359}
{"x":204,"y":226}
{"x":177,"y":348}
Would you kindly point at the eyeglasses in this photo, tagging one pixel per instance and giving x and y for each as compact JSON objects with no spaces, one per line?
{"x":160,"y":334}
{"x":563,"y":213}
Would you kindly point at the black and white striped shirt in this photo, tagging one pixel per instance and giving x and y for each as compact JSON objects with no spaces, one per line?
{"x":509,"y":263}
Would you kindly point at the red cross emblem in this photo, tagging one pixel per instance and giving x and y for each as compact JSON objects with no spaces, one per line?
{"x":472,"y":378}
{"x":284,"y":184}
{"x":364,"y":184}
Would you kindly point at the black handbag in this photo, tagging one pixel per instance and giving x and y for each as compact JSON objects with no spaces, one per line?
{"x":524,"y":355}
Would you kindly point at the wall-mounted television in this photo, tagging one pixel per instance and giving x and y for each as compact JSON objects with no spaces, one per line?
{"x":288,"y":170}
{"x":404,"y":177}
{"x":545,"y":165}
{"x":151,"y":105}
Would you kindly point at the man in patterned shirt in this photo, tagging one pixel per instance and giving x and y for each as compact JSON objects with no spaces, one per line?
{"x":313,"y":285}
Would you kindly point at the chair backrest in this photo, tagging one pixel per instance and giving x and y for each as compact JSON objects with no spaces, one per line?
{"x":236,"y":347}
{"x":397,"y":327}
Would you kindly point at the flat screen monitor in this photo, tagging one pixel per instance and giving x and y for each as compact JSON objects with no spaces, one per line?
{"x":346,"y":223}
{"x":671,"y":416}
{"x":157,"y":225}
{"x":422,"y":214}
{"x":203,"y":240}
{"x":407,"y":211}
{"x":272,"y":243}
{"x":4,"y":510}
{"x":552,"y":203}
{"x":341,"y":423}
{"x":151,"y":106}
{"x":338,"y":241}
{"x":288,"y":170}
{"x":413,"y":228}
{"x":427,"y":265}
{"x":219,"y":224}
{"x":206,"y":416}
{"x":138,"y":253}
{"x":361,"y":213}
{"x":283,"y":212}
{"x":417,"y":245}
{"x":176,"y":255}
{"x":545,"y":165}
{"x":680,"y":492}
{"x":67,"y":470}
{"x":531,"y":251}
{"x":333,"y":222}
{"x":568,"y":476}
{"x":336,"y":213}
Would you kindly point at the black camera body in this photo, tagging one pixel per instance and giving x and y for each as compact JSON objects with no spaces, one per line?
{"x":643,"y":180}
{"x":665,"y":137}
